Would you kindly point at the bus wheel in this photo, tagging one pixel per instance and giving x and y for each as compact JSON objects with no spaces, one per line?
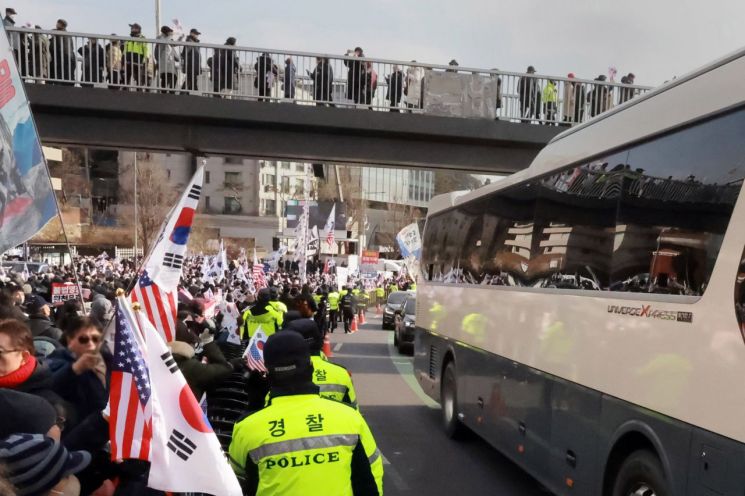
{"x":641,"y":474}
{"x":454,"y":429}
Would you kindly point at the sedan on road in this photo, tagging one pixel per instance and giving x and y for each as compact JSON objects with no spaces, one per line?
{"x":395,"y":302}
{"x":403,"y":337}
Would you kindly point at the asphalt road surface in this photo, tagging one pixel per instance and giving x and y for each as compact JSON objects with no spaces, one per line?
{"x":418,"y":458}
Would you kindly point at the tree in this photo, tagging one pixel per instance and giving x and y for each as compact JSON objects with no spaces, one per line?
{"x":449,"y":181}
{"x":155,"y":197}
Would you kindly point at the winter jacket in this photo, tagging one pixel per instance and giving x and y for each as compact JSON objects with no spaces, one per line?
{"x":200,"y":376}
{"x":289,"y":80}
{"x":86,"y":392}
{"x":94,"y":60}
{"x":323,"y":80}
{"x":224,"y":65}
{"x":395,"y":87}
{"x":191,"y":60}
{"x":42,"y":326}
{"x":414,"y":82}
{"x":167,"y":56}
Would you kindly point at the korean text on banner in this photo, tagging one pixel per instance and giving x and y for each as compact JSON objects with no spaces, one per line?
{"x":63,"y":291}
{"x":26,"y":197}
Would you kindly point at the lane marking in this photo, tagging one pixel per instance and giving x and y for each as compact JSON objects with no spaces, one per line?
{"x":338,"y":346}
{"x":406,"y":371}
{"x":393,"y":475}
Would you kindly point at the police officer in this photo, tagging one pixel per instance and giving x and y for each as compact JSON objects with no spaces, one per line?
{"x":321,"y":317}
{"x":348,"y":304}
{"x":135,"y":56}
{"x":380,"y":294}
{"x":333,"y":380}
{"x":302,"y":444}
{"x":277,"y":305}
{"x":261,"y":314}
{"x":333,"y":299}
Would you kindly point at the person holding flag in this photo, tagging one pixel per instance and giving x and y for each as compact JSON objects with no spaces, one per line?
{"x":303,"y":444}
{"x":154,"y":416}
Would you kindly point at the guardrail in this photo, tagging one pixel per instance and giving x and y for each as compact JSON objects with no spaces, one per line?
{"x":226,"y":71}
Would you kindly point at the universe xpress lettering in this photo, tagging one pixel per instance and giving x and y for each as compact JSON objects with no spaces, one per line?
{"x":647,"y":311}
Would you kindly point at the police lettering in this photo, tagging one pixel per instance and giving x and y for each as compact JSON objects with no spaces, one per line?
{"x":301,"y":460}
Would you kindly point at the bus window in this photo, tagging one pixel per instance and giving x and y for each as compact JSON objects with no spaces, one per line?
{"x":575,"y":219}
{"x":740,"y":295}
{"x":677,"y":196}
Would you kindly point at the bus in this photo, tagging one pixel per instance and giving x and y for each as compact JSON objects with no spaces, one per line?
{"x":585,"y":316}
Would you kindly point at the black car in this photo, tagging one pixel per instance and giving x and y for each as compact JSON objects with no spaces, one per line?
{"x":403,"y":336}
{"x":395,"y":302}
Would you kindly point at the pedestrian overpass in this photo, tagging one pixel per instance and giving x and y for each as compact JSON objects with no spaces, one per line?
{"x":290,"y":105}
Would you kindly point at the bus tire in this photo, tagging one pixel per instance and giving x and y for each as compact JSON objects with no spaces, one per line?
{"x":641,"y":474}
{"x":454,"y":429}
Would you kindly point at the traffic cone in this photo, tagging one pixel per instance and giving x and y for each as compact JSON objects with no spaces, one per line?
{"x":327,"y":346}
{"x":362,"y":318}
{"x":354,"y":324}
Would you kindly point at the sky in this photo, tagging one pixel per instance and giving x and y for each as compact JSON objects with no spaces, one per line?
{"x":654,"y":39}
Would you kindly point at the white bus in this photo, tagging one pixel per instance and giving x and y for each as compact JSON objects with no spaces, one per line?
{"x":584,"y":315}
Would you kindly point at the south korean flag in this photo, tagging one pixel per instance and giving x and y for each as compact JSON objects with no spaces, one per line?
{"x":185,"y":454}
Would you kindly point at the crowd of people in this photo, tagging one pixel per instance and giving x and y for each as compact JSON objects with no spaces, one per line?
{"x":170,"y":68}
{"x":55,"y":362}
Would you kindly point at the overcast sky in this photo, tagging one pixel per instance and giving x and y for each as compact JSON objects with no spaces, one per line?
{"x":655,"y":39}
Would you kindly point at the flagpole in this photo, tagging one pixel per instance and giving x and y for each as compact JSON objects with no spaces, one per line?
{"x":135,"y":176}
{"x":64,"y":232}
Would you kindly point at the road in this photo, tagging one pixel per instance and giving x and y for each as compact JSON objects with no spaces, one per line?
{"x":418,"y":457}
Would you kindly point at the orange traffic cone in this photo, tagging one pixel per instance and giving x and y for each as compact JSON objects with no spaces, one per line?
{"x":362,"y":318}
{"x":354,"y":324}
{"x":327,"y":347}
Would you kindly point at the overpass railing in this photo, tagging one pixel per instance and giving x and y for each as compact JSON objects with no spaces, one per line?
{"x":231,"y":72}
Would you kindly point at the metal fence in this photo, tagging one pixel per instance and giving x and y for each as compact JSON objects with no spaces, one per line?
{"x":351,"y":80}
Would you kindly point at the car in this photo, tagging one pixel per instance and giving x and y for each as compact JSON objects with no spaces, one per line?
{"x":395,"y":302}
{"x":403,"y":335}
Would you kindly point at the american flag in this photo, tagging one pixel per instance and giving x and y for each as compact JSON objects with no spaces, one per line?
{"x":258,"y":273}
{"x":159,"y":306}
{"x":329,"y":227}
{"x":130,"y":422}
{"x":254,"y":354}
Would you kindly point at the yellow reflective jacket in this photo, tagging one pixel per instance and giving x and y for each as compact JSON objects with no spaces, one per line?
{"x":334,"y":381}
{"x":137,"y":47}
{"x":270,"y":322}
{"x":305,"y":445}
{"x":334,"y":300}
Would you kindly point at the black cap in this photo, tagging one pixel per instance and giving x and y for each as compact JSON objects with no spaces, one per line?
{"x":230,"y":41}
{"x":34,"y":304}
{"x":286,"y":355}
{"x":24,"y":412}
{"x":273,"y":292}
{"x":135,"y":26}
{"x":166,"y":29}
{"x":531,"y":69}
{"x":10,"y":11}
{"x":308,"y":329}
{"x":263,"y":296}
{"x":63,"y":22}
{"x":194,"y":31}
